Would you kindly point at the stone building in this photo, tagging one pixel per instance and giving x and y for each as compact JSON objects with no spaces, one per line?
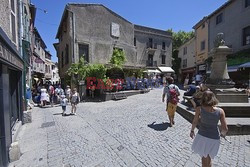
{"x":187,"y":53}
{"x":38,"y":57}
{"x":153,"y":47}
{"x":48,"y":66}
{"x":231,"y":19}
{"x":201,"y":44}
{"x":93,"y":31}
{"x":55,"y":73}
{"x":11,"y":71}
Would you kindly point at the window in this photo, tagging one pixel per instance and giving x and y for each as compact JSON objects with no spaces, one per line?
{"x":163,"y":59}
{"x":203,"y":25}
{"x":184,"y":50}
{"x":150,"y":43}
{"x":246,"y":36}
{"x":134,"y":41}
{"x":12,"y":4}
{"x":13,"y":20}
{"x":163,"y":46}
{"x":184,"y":63}
{"x":247,"y":3}
{"x":84,"y":51}
{"x":219,"y":18}
{"x":67,"y":54}
{"x":203,"y":46}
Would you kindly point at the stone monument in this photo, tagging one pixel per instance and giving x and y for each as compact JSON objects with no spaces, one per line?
{"x":219,"y":81}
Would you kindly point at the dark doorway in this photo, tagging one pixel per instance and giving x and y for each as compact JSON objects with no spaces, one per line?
{"x":2,"y":146}
{"x":14,"y":94}
{"x":150,"y":60}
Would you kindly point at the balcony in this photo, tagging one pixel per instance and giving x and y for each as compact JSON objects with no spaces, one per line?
{"x":151,"y":47}
{"x":48,"y":76}
{"x":150,"y":63}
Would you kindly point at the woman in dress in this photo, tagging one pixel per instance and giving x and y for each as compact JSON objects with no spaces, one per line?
{"x":43,"y":96}
{"x":207,"y":140}
{"x":75,"y":99}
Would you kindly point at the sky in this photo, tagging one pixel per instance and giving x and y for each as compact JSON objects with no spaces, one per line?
{"x":160,"y":14}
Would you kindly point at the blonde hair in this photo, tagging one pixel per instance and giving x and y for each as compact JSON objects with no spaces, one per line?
{"x":209,"y":99}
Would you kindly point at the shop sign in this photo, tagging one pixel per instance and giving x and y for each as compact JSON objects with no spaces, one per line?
{"x":81,"y":82}
{"x":9,"y":56}
{"x":202,"y":67}
{"x":38,"y":60}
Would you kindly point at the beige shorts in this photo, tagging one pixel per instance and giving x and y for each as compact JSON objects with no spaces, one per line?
{"x":171,"y":108}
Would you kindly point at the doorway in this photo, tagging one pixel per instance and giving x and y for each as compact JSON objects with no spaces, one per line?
{"x":14,"y":78}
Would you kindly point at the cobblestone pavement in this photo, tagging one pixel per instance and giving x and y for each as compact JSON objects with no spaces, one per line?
{"x":118,"y":133}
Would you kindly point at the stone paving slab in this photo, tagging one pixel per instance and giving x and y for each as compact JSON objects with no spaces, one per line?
{"x":129,"y":132}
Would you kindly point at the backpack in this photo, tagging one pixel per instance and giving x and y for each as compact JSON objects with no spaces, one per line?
{"x":173,"y":97}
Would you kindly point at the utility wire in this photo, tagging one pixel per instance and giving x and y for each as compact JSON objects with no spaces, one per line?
{"x":47,"y":22}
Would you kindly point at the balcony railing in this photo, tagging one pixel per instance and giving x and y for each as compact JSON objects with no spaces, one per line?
{"x":151,"y":45}
{"x":150,"y":63}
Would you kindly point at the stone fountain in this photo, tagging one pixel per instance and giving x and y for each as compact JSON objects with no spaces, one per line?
{"x":219,"y":81}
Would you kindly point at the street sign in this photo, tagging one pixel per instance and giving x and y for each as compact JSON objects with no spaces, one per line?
{"x":81,"y":82}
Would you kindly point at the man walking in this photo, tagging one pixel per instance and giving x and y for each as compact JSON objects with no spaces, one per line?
{"x":172,"y":92}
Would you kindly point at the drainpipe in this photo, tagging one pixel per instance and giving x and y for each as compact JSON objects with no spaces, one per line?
{"x":23,"y":103}
{"x":73,"y":40}
{"x":73,"y":34}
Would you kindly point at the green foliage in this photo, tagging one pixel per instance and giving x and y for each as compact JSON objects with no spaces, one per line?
{"x":239,"y":58}
{"x":96,"y":70}
{"x":180,"y":38}
{"x":81,"y":70}
{"x":118,"y":57}
{"x":115,"y":72}
{"x":78,"y":69}
{"x":176,"y":62}
{"x":134,"y":72}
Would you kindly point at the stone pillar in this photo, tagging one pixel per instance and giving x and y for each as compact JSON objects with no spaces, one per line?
{"x":219,"y":65}
{"x":219,"y":75}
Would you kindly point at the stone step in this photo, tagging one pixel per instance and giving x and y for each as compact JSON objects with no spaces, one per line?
{"x":236,"y":126}
{"x":119,"y":96}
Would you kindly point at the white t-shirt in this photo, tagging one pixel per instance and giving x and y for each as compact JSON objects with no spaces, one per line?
{"x":68,"y":91}
{"x":64,"y":102}
{"x":198,"y":77}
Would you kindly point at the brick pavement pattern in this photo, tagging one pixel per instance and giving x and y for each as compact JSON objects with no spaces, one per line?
{"x":118,"y":133}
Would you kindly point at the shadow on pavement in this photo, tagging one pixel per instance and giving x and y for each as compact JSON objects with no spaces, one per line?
{"x":58,"y":113}
{"x":159,"y":127}
{"x":65,"y":115}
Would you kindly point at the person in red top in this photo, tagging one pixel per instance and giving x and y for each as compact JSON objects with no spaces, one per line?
{"x":92,"y":89}
{"x":51,"y":94}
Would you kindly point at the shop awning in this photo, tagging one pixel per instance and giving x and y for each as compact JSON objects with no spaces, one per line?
{"x":152,"y":71}
{"x":245,"y":65}
{"x":229,"y":69}
{"x":166,"y":69}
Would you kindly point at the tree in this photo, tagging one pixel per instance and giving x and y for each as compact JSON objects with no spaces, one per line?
{"x":118,"y":58}
{"x":78,"y":70}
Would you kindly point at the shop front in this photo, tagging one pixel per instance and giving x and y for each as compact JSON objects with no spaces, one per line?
{"x":188,"y":73}
{"x":11,"y":67}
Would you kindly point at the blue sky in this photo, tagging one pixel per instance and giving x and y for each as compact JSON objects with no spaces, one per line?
{"x":161,"y":14}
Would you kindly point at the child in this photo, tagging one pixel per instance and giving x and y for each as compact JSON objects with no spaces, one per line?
{"x":64,"y":102}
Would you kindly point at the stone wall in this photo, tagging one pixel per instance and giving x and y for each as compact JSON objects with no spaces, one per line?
{"x":5,"y":17}
{"x":235,"y":18}
{"x":93,"y":27}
